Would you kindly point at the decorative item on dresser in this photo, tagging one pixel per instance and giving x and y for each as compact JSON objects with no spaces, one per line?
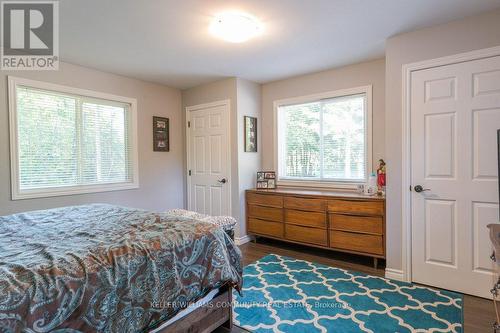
{"x":341,"y":221}
{"x":266,"y":179}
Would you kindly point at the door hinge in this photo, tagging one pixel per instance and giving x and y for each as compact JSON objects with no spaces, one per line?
{"x":189,"y":124}
{"x":190,"y":172}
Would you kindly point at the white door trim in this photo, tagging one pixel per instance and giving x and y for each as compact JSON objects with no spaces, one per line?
{"x":227,"y":107}
{"x":406,"y":144}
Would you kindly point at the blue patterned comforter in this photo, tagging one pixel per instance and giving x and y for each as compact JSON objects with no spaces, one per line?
{"x":107,"y":268}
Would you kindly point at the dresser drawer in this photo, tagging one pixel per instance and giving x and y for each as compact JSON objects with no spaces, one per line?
{"x":269,"y":228}
{"x":356,"y":207}
{"x":368,"y":224}
{"x":317,"y":205}
{"x":266,"y":213}
{"x":268,"y":200}
{"x":306,"y":234}
{"x":371,"y":244}
{"x":311,"y":219}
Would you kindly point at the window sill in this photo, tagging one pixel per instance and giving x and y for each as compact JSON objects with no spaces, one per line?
{"x":74,"y":190}
{"x":320,"y":185}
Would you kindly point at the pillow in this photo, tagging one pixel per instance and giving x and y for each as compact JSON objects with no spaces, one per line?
{"x":227,"y":223}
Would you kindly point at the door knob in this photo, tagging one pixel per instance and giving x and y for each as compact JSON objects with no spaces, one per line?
{"x":222,"y":181}
{"x":419,"y":188}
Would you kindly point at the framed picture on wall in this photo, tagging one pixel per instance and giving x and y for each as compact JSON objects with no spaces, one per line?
{"x":161,"y":138}
{"x":250,"y":134}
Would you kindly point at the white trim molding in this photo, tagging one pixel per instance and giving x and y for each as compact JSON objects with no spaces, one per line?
{"x":394,"y":274}
{"x":108,"y":99}
{"x":242,"y":240}
{"x":338,"y":184}
{"x":406,"y":212}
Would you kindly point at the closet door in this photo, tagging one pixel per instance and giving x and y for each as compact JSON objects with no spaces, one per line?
{"x":455,"y":115}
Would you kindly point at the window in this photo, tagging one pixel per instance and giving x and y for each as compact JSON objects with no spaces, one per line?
{"x":70,"y":141}
{"x":324,"y":138}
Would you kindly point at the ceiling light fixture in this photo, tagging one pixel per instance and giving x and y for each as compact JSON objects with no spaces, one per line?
{"x":235,"y":27}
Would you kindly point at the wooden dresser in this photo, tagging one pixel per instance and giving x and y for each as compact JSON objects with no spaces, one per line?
{"x":341,"y":221}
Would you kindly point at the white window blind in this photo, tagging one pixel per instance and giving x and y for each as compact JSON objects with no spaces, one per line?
{"x":323,"y":140}
{"x":70,"y":142}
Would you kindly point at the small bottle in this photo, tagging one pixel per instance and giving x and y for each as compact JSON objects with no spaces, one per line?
{"x":371,"y":187}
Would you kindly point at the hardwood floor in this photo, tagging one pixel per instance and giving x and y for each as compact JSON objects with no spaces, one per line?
{"x":479,"y":315}
{"x":254,"y":251}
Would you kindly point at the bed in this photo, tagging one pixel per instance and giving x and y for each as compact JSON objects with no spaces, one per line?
{"x":108,"y":268}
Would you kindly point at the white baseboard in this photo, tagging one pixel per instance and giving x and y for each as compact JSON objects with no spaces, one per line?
{"x":242,"y":240}
{"x":394,"y":274}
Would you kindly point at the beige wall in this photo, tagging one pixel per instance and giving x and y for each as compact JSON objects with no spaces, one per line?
{"x":160,"y":175}
{"x":464,"y":35}
{"x":366,"y":73}
{"x":249,"y":101}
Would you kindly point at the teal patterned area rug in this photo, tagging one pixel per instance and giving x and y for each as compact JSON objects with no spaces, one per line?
{"x":283,"y":294}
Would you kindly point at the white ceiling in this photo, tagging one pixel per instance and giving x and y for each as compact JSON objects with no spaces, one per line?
{"x":167,"y":41}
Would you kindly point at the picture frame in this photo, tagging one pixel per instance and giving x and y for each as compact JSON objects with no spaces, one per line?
{"x":266,"y":180}
{"x":250,"y":131}
{"x":262,"y":184}
{"x":161,"y":134}
{"x":269,"y":175}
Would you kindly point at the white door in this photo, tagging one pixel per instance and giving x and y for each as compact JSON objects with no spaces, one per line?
{"x":455,"y":114}
{"x":208,"y":158}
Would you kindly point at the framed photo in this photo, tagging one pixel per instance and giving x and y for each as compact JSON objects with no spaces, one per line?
{"x":266,"y":180}
{"x":270,"y":175}
{"x":250,"y":134}
{"x":262,"y":184}
{"x":260,"y":176}
{"x":161,"y":138}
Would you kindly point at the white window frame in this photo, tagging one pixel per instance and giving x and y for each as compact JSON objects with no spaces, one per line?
{"x":351,"y":185}
{"x":17,"y":193}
